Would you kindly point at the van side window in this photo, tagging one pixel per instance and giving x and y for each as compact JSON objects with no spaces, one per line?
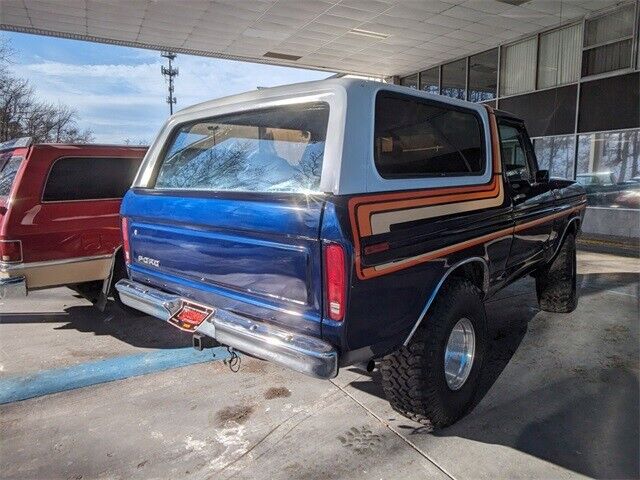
{"x":419,"y":138}
{"x":75,"y":178}
{"x":513,"y":153}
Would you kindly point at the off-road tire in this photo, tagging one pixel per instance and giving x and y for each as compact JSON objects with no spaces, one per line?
{"x":413,"y":377}
{"x":556,"y":283}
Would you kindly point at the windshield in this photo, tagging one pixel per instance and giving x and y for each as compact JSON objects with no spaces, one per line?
{"x":8,"y":169}
{"x":271,"y":150}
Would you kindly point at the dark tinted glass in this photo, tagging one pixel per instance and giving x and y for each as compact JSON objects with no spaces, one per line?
{"x":415,"y":138}
{"x":454,"y":77}
{"x":430,"y":80}
{"x":610,"y":103}
{"x":483,"y":76}
{"x":8,"y":169}
{"x":90,"y":178}
{"x":547,"y":112}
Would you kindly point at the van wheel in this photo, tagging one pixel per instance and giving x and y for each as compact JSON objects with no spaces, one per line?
{"x":556,"y":283}
{"x":434,"y":378}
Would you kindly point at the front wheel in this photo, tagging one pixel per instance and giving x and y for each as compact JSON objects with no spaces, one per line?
{"x":433,"y":379}
{"x":556,"y":283}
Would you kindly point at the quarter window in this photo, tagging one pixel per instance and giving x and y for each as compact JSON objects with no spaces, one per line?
{"x":8,"y":170}
{"x":75,"y":178}
{"x":418,"y":138}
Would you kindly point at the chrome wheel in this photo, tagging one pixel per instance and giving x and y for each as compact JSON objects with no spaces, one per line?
{"x":459,"y":354}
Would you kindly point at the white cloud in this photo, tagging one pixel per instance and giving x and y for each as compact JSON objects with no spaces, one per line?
{"x":128,"y":101}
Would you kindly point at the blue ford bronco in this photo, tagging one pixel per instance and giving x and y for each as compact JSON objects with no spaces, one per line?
{"x":337,"y":222}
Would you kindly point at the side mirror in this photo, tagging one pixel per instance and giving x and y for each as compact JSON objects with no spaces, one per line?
{"x":542,"y":176}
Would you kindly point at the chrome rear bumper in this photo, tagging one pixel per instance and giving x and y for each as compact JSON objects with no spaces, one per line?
{"x":13,"y":287}
{"x":302,"y":353}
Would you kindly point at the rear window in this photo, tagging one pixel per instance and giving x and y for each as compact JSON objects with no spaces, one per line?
{"x":9,"y":166}
{"x":420,"y":138}
{"x":92,"y":178}
{"x":271,"y":150}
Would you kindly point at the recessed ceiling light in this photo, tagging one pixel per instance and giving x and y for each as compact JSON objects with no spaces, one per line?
{"x":282,"y":56}
{"x":367,"y":33}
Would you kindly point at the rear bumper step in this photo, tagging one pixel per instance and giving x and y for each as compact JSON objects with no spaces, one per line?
{"x":302,"y":353}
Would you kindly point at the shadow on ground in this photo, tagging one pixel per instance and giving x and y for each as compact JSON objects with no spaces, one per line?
{"x":583,"y":418}
{"x":138,"y":331}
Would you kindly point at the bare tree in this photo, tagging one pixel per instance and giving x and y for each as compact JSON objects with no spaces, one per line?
{"x":23,"y":115}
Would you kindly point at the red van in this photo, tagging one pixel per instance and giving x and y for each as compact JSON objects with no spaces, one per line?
{"x":59,"y":215}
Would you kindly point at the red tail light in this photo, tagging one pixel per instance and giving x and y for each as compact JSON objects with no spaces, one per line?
{"x":10,"y":250}
{"x":126,"y":248}
{"x":335,"y":281}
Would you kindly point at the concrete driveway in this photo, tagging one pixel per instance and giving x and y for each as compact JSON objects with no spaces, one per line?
{"x":111,"y":396}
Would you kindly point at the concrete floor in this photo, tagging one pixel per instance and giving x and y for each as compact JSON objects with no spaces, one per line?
{"x":559,"y":399}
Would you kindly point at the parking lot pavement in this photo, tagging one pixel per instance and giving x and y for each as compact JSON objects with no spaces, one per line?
{"x":559,"y":399}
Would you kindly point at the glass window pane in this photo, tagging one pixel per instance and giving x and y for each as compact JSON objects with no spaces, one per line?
{"x":415,"y":138}
{"x":559,"y":56}
{"x":614,"y":26}
{"x":430,"y":80}
{"x":8,"y":170}
{"x":607,"y":58}
{"x":609,"y":168}
{"x":514,"y":158}
{"x":483,"y":76}
{"x":454,"y":77}
{"x":556,"y":154}
{"x":410,"y":81}
{"x":92,"y":178}
{"x":277,"y":149}
{"x":518,"y":69}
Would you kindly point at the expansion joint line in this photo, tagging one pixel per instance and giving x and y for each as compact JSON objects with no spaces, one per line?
{"x":386,"y":424}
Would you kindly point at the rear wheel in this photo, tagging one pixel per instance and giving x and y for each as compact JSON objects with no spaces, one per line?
{"x":434,"y":378}
{"x":556,"y":283}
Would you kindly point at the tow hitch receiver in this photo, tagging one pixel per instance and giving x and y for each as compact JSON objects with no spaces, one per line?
{"x":200,"y":342}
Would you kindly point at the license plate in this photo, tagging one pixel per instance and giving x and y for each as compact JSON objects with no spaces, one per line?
{"x":190,"y":316}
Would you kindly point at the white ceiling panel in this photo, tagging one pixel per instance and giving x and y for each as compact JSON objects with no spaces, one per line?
{"x":371,"y":37}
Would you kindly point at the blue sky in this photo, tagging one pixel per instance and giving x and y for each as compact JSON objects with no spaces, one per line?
{"x":119,"y":92}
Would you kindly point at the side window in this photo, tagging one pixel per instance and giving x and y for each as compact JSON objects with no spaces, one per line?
{"x":513,"y":150}
{"x":8,"y":170}
{"x":419,"y":138}
{"x":76,"y":178}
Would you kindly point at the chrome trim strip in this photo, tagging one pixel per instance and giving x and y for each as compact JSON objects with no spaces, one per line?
{"x":302,"y":353}
{"x":433,"y":295}
{"x":13,"y":287}
{"x":16,"y":267}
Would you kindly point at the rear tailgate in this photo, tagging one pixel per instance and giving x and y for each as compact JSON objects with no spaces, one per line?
{"x":256,"y":256}
{"x":231,"y":217}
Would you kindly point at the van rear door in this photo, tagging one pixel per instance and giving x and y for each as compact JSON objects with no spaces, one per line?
{"x":231,"y":217}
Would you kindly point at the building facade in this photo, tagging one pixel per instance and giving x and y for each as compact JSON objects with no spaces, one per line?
{"x":577,"y":87}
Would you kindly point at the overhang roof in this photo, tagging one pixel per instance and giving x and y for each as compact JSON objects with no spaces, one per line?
{"x":391,"y":37}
